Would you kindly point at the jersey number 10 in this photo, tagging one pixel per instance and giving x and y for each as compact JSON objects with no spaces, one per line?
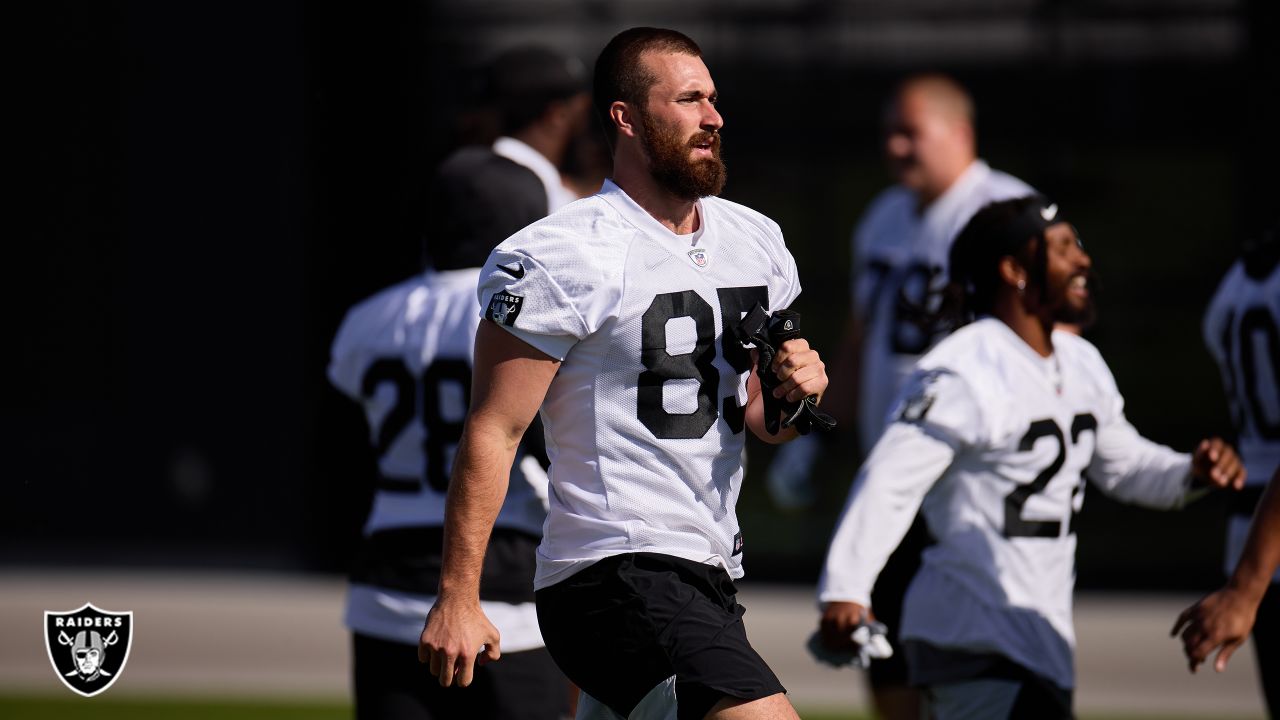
{"x":1247,"y":384}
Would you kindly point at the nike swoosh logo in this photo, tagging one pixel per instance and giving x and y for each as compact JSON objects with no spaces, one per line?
{"x":516,"y":272}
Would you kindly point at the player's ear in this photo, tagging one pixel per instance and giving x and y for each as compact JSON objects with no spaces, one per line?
{"x":624,"y":118}
{"x":1011,"y":272}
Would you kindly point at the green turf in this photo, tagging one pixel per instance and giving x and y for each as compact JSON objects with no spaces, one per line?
{"x":110,"y":708}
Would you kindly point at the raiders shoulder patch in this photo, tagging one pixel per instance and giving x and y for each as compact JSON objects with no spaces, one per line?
{"x":504,"y":308}
{"x":915,"y":406}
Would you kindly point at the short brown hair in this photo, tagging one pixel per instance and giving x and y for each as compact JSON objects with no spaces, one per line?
{"x":619,"y":74}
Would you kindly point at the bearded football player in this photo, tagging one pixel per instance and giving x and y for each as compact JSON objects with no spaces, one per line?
{"x":617,"y":316}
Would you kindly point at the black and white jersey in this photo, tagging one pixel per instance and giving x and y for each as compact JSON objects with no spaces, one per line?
{"x":405,"y":355}
{"x":899,"y":256}
{"x":645,"y":419}
{"x":1242,"y":330}
{"x":991,"y":440}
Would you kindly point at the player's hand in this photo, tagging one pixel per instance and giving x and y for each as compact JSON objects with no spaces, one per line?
{"x":1221,"y":622}
{"x":1216,"y":463}
{"x":801,"y":372}
{"x":457,"y":636}
{"x":839,"y":620}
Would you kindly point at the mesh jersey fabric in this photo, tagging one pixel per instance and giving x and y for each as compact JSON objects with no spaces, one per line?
{"x":991,"y":441}
{"x":644,"y":420}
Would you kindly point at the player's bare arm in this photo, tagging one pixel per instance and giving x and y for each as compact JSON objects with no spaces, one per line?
{"x":1215,"y":463}
{"x":510,"y":379}
{"x":1222,"y":621}
{"x":839,"y":620}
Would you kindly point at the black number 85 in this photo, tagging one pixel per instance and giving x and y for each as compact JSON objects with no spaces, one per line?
{"x":661,"y":366}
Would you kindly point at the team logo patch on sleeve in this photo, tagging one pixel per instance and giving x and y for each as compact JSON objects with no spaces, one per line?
{"x":504,"y":308}
{"x":916,"y":405}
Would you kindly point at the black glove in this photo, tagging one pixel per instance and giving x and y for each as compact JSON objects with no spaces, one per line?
{"x":768,"y":333}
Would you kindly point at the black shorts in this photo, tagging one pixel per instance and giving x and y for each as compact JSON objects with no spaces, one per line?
{"x":629,"y":622}
{"x":952,"y":673}
{"x":391,"y":683}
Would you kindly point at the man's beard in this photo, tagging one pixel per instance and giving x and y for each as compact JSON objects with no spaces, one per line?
{"x":670,"y":165}
{"x":1083,"y":316}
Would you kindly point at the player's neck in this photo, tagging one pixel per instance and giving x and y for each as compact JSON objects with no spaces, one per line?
{"x":929,"y":195}
{"x":678,"y":215}
{"x":1035,"y":331}
{"x":548,"y":143}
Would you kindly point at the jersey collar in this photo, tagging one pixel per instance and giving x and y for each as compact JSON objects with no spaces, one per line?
{"x":619,"y":200}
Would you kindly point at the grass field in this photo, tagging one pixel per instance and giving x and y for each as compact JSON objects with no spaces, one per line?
{"x":20,"y":707}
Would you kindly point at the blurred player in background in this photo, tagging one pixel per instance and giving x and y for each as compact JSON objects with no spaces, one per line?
{"x":543,"y":112}
{"x":405,"y":355}
{"x":617,"y":317}
{"x":1242,"y":330}
{"x":993,"y":433}
{"x":899,"y":263}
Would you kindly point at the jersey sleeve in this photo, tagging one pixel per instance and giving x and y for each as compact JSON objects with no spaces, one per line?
{"x":1129,"y":467}
{"x":934,"y":419}
{"x":346,"y":360}
{"x":789,"y":276}
{"x":544,"y":292}
{"x":942,"y":403}
{"x":882,"y":503}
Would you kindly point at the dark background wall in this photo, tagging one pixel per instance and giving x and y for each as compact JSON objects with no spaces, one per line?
{"x":209,"y":187}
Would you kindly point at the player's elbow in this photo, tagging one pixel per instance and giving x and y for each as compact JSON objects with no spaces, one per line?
{"x":492,"y":432}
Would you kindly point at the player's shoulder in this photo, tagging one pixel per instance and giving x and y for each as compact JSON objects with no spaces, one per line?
{"x":368,"y":318}
{"x":744,"y":224}
{"x":385,"y":303}
{"x":977,"y":353}
{"x":585,"y":234}
{"x":1000,"y":185}
{"x":882,"y":222}
{"x":733,"y":213}
{"x":967,"y":345}
{"x":1079,"y":349}
{"x":971,"y":354}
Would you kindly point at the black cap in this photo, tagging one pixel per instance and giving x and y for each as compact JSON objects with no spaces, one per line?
{"x":477,"y":200}
{"x":521,"y":81}
{"x":998,"y":229}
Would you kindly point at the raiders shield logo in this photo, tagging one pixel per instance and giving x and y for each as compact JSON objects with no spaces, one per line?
{"x":504,"y":308}
{"x":88,"y":647}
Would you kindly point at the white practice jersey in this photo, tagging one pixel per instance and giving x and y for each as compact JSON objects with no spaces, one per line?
{"x":521,"y":153}
{"x":991,"y":441}
{"x":1242,"y":330}
{"x":405,"y":356}
{"x":644,"y":420}
{"x":899,"y":255}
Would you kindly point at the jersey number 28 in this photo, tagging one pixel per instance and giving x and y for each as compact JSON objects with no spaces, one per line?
{"x":418,"y":399}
